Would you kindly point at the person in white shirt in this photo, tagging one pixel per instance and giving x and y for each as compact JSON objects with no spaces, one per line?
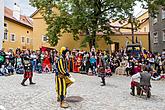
{"x":140,"y":79}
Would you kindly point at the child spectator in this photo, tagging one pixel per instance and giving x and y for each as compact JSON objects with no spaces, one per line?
{"x":108,"y":71}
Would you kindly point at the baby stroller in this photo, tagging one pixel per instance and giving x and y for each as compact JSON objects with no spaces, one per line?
{"x":20,"y":69}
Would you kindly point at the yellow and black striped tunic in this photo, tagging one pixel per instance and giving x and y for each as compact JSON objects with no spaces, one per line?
{"x":61,"y":78}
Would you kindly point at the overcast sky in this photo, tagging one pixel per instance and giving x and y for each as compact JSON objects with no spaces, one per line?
{"x":27,"y":10}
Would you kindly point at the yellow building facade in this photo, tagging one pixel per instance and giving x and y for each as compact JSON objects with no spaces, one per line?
{"x":141,"y":35}
{"x":18,"y":31}
{"x":119,"y":39}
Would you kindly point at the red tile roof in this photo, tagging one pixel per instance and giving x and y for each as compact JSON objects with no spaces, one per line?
{"x":23,"y":19}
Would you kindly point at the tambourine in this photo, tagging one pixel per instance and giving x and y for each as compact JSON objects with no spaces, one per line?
{"x":69,"y":81}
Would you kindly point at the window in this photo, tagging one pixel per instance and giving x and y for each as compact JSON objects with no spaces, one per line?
{"x":22,"y":39}
{"x":12,"y":37}
{"x":5,"y":35}
{"x":163,"y":13}
{"x":163,"y":35}
{"x":28,"y":40}
{"x":5,"y":24}
{"x":155,"y":20}
{"x":155,"y":37}
{"x":44,"y":38}
{"x":145,"y":29}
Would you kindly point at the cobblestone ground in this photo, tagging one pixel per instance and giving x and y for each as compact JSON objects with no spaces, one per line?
{"x":114,"y":96}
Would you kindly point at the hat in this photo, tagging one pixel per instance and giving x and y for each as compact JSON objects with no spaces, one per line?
{"x":63,"y":50}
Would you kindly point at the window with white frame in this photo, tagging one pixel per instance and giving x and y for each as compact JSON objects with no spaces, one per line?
{"x":23,"y":39}
{"x":155,"y":36}
{"x":163,"y":13}
{"x":12,"y":37}
{"x":44,"y":38}
{"x":28,"y":40}
{"x":155,"y":19}
{"x":5,"y":35}
{"x":163,"y":35}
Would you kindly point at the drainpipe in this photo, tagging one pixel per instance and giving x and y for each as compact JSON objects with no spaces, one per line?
{"x":149,"y":41}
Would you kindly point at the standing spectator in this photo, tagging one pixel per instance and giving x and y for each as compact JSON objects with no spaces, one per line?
{"x":101,"y":69}
{"x":2,"y":57}
{"x":93,"y":64}
{"x":33,"y":57}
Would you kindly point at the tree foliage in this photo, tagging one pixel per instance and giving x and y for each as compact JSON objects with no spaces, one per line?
{"x":87,"y":17}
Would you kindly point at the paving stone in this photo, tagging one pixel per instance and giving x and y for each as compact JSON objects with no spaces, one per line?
{"x":114,"y":96}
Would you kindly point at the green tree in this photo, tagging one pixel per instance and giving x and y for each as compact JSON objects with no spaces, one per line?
{"x":87,"y":17}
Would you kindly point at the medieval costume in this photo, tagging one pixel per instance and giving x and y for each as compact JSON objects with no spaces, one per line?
{"x":70,"y":63}
{"x":76,"y":64}
{"x":79,"y":62}
{"x":28,"y":74}
{"x":139,"y":80}
{"x":62,"y":78}
{"x":46,"y":65}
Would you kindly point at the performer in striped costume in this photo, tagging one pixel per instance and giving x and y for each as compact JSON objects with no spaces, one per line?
{"x":62,"y":78}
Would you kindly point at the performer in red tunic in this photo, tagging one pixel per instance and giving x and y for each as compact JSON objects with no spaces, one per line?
{"x":74,"y":61}
{"x":77,"y":63}
{"x":46,"y":62}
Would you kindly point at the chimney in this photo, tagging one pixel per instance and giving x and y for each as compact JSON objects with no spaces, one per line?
{"x":16,"y":11}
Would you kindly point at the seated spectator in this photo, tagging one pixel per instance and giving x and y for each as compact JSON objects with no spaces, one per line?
{"x":4,"y":71}
{"x":155,"y":75}
{"x":121,"y":69}
{"x":20,"y":69}
{"x":10,"y":68}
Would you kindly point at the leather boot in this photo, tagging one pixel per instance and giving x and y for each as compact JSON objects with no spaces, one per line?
{"x":58,"y":99}
{"x":138,"y":90}
{"x":133,"y":91}
{"x":23,"y":82}
{"x":64,"y":104}
{"x":31,"y":83}
{"x":103,"y":81}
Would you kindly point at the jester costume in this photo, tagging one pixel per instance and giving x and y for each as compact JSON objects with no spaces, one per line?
{"x":62,"y":76}
{"x":28,"y":74}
